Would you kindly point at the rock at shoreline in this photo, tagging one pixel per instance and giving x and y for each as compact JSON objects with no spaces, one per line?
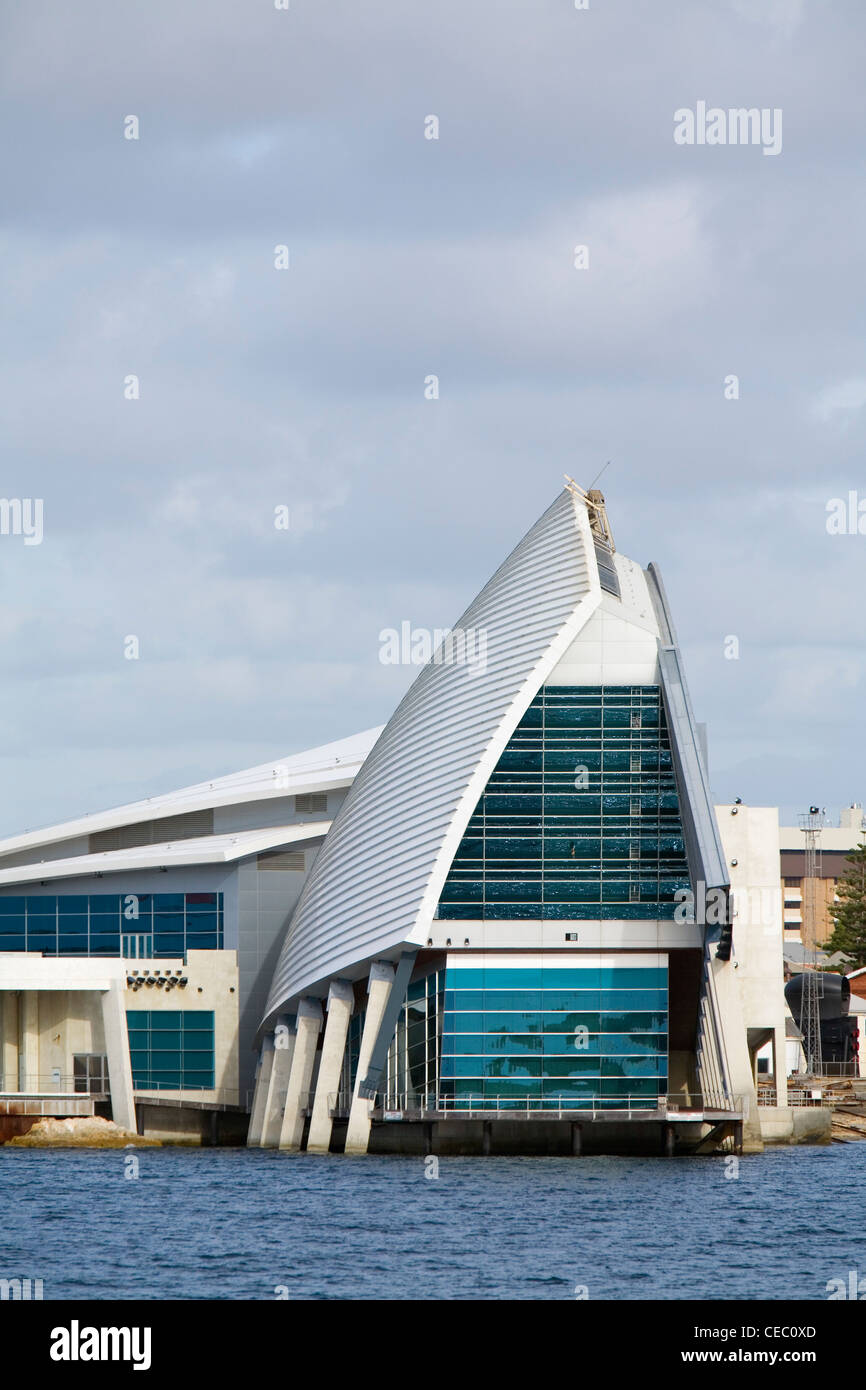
{"x":89,"y":1132}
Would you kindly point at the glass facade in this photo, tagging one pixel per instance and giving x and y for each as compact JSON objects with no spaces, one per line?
{"x":540,"y":1036}
{"x":171,"y":1049}
{"x":412,"y":1071}
{"x":554,"y":1035}
{"x":580,"y":818}
{"x":135,"y":925}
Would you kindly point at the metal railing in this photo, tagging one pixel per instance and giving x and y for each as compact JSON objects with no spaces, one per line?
{"x":89,"y":1088}
{"x":678,"y":1105}
{"x":24,"y":1104}
{"x":215,"y":1095}
{"x":815,"y":1095}
{"x":52,"y":1084}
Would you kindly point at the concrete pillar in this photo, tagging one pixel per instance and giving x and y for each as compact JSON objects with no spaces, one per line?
{"x":117,"y":1051}
{"x":278,"y":1085}
{"x":780,"y":1065}
{"x":341,"y":998}
{"x":307,"y":1026}
{"x":28,"y":1040}
{"x":737,"y":1049}
{"x":260,"y":1096}
{"x":378,"y":990}
{"x":9,"y":1058}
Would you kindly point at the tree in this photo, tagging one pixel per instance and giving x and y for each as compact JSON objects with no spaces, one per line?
{"x":849,"y":914}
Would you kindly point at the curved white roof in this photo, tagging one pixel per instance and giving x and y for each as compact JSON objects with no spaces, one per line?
{"x":204,"y":849}
{"x":315,"y":769}
{"x":377,"y":879}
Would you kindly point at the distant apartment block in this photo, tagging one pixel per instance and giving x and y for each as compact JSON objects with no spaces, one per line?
{"x":808,"y":902}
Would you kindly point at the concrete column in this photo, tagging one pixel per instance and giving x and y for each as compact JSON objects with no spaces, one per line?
{"x":275,"y":1100}
{"x":780,"y":1063}
{"x":737,"y":1049}
{"x":117,"y":1050}
{"x":9,"y":1058}
{"x":308,"y":1024}
{"x":378,"y":990}
{"x":260,"y":1096}
{"x":28,"y":1040}
{"x":340,"y":1000}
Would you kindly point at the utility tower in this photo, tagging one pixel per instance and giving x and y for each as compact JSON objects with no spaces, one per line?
{"x":812,"y":913}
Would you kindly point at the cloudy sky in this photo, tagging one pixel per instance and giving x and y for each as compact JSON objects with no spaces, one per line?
{"x":260,"y":388}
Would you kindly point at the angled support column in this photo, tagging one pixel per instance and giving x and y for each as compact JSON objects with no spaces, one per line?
{"x":340,"y":1001}
{"x":378,"y":993}
{"x":278,"y":1082}
{"x":309,"y":1022}
{"x":117,"y":1049}
{"x":372,"y":1082}
{"x":263,"y":1076}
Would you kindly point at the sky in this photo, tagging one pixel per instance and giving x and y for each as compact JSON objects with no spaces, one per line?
{"x":258,"y":387}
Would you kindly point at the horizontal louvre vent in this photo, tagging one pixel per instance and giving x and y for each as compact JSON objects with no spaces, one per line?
{"x":282,"y":859}
{"x":607,"y":575}
{"x":311,"y":801}
{"x":154,"y":832}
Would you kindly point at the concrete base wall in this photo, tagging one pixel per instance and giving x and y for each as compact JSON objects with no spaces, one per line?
{"x":192,"y":1128}
{"x":795,"y":1124}
{"x":555,"y":1138}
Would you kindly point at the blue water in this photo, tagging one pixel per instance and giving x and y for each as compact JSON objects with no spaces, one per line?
{"x":237,"y":1224}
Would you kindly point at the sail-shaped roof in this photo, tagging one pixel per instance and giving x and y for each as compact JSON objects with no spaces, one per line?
{"x":376,"y":882}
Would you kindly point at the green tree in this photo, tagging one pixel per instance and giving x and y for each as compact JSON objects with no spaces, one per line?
{"x":849,"y":914}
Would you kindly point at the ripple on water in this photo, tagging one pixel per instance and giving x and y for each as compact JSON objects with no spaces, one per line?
{"x":236,"y":1224}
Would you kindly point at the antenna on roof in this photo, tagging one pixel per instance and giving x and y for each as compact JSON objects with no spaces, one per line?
{"x":598,"y":475}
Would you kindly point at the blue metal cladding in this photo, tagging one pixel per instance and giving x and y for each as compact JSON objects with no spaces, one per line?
{"x":553,"y":1036}
{"x":134,"y":925}
{"x":580,"y":818}
{"x":171,"y":1049}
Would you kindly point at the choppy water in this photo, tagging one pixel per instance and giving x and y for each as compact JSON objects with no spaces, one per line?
{"x":239,"y":1224}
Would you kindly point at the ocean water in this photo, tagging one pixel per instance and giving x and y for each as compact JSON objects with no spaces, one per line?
{"x":247,"y":1224}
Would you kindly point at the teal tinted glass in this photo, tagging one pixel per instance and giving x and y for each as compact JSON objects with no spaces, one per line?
{"x":109,"y":924}
{"x":171,"y":1049}
{"x":573,"y":1034}
{"x":580,"y":818}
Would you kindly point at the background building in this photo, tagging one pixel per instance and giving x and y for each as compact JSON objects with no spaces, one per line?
{"x":808,"y":902}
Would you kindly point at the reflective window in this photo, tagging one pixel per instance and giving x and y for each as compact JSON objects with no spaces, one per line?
{"x":580,"y":819}
{"x":134,"y":925}
{"x":171,"y":1049}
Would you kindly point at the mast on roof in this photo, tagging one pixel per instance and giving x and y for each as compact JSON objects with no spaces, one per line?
{"x":598,"y":522}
